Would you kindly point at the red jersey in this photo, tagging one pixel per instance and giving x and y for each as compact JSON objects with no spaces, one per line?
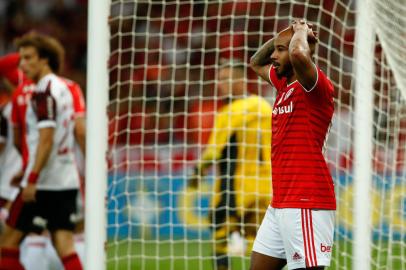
{"x":9,"y":68}
{"x":300,"y":121}
{"x":20,"y":99}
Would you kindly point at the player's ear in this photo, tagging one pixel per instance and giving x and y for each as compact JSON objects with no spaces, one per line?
{"x":43,"y":60}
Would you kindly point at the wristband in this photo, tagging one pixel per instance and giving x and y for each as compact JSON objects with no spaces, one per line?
{"x":32,"y":178}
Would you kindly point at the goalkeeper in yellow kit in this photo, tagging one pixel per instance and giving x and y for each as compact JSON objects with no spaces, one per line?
{"x":240,"y":146}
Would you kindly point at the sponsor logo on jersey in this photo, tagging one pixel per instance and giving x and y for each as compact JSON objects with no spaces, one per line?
{"x":23,"y":99}
{"x":285,"y":96}
{"x":325,"y":248}
{"x":283,"y":109}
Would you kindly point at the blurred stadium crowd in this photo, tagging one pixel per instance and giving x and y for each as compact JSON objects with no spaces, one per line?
{"x":66,"y":20}
{"x":164,"y":56}
{"x":164,"y":60}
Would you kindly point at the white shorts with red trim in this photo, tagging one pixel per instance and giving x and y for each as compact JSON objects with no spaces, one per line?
{"x":304,"y":237}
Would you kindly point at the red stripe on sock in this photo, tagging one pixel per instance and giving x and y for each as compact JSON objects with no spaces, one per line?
{"x":10,"y":252}
{"x":72,"y":262}
{"x":10,"y":259}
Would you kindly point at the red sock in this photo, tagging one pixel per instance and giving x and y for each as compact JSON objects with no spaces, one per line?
{"x":10,"y":259}
{"x":71,"y":262}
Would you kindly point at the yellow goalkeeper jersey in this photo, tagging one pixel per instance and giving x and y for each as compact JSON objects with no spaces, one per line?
{"x":240,"y":145}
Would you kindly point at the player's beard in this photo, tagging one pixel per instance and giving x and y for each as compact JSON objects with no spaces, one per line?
{"x":285,"y":70}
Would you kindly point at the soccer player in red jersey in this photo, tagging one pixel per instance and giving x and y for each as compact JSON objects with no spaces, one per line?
{"x":50,"y":182}
{"x":298,"y":226}
{"x":10,"y":161}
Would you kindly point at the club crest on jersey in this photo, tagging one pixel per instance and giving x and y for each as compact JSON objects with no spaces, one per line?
{"x":285,"y":95}
{"x":288,"y":93}
{"x":283,"y":109}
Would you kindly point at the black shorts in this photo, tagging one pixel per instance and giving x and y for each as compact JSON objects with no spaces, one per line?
{"x":52,"y":210}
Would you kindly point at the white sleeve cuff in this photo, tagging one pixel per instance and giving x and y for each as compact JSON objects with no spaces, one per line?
{"x":46,"y":124}
{"x":269,"y":76}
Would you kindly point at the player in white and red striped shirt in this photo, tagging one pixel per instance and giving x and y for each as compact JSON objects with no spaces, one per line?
{"x":33,"y":244}
{"x":36,"y":251}
{"x":50,"y":182}
{"x":298,"y":227}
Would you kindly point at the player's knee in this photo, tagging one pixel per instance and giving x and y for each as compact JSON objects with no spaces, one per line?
{"x":63,"y":242}
{"x":11,"y":238}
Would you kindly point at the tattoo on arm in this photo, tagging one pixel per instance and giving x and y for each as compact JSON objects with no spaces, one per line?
{"x":262,"y":56}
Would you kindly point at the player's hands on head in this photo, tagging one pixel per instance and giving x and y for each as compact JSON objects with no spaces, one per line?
{"x":301,"y":24}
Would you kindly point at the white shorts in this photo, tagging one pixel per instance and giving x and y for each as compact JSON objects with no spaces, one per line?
{"x":304,"y":237}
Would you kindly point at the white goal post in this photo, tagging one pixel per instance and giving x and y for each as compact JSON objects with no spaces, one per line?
{"x":152,"y":96}
{"x":96,"y":134}
{"x":363,"y":135}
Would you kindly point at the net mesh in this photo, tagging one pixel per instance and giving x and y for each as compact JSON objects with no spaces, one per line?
{"x":164,"y":62}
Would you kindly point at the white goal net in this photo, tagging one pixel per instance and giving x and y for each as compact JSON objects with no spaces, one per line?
{"x":164,"y":94}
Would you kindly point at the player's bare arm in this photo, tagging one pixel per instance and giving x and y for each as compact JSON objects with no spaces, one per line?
{"x":260,"y":62}
{"x":80,"y":133}
{"x":9,"y":86}
{"x":45,"y":142}
{"x":300,"y":54}
{"x":17,"y":138}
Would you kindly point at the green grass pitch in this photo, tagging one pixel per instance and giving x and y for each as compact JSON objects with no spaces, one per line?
{"x":196,"y":255}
